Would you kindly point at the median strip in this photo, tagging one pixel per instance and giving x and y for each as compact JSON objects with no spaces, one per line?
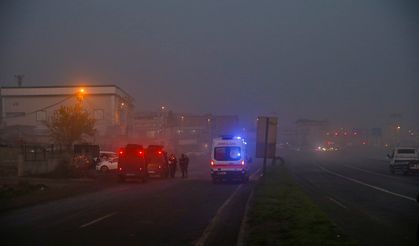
{"x":282,"y":214}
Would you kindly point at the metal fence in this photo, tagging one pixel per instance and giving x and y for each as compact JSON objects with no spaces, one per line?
{"x":40,"y":152}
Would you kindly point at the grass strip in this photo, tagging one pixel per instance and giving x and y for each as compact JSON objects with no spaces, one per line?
{"x":282,"y":214}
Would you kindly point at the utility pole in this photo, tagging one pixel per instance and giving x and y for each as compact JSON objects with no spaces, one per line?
{"x":19,"y":79}
{"x":265,"y":155}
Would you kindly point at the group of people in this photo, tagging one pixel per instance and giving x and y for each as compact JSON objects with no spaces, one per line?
{"x":183,"y":164}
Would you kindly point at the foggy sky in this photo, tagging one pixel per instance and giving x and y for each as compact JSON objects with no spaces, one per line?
{"x":351,"y":62}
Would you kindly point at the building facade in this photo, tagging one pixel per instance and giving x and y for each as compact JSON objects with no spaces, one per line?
{"x":24,"y":110}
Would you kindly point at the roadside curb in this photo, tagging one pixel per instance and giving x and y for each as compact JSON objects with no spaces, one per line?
{"x":244,"y":226}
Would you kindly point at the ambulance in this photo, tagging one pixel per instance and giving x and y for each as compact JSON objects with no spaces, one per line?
{"x":228,"y":159}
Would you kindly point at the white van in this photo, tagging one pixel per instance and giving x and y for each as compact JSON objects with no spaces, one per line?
{"x":404,"y":159}
{"x":229,"y":159}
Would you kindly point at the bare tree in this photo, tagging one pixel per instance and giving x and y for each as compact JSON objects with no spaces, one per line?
{"x":70,"y":124}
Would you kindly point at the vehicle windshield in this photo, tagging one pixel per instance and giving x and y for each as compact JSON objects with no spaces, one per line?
{"x":406,"y":151}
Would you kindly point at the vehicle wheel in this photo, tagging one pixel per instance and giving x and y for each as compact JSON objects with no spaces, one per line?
{"x":104,"y":169}
{"x":392,"y":170}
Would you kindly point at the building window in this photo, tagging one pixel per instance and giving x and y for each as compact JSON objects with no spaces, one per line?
{"x":15,"y":114}
{"x":98,"y":114}
{"x":41,"y":116}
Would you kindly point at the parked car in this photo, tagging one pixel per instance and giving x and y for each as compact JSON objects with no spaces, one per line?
{"x":404,"y":159}
{"x":107,"y":161}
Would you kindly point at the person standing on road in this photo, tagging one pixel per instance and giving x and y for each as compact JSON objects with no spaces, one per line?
{"x":184,"y":163}
{"x":172,"y":165}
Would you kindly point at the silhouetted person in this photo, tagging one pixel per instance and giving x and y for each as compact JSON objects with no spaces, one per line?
{"x":184,"y":163}
{"x":172,"y":165}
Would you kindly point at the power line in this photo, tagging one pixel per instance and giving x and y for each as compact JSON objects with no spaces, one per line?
{"x":41,"y":109}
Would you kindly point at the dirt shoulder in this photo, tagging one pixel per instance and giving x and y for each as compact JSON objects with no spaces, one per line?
{"x":18,"y":192}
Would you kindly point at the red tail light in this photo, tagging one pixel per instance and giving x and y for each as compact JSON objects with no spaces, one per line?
{"x":121,"y":151}
{"x":159,"y":166}
{"x":140,"y":152}
{"x":120,"y":169}
{"x":242,"y":162}
{"x":160,"y":152}
{"x":212,"y":163}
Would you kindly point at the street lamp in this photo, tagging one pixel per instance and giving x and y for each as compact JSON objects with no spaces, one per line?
{"x":80,"y":95}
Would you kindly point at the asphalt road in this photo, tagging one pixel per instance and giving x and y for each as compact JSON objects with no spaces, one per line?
{"x":360,"y":195}
{"x":161,"y":212}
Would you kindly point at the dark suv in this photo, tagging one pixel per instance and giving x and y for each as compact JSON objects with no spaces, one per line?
{"x":156,"y":159}
{"x":131,"y":163}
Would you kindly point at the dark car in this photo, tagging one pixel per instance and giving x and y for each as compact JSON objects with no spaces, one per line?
{"x":157,"y":163}
{"x":132,"y":163}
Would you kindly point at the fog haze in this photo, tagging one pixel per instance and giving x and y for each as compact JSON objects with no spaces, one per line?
{"x":351,"y":62}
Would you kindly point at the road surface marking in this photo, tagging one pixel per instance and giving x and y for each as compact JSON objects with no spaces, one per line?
{"x":370,"y":172}
{"x":211,"y":225}
{"x":368,"y":185}
{"x":98,"y":219}
{"x":337,"y":202}
{"x":255,"y":175}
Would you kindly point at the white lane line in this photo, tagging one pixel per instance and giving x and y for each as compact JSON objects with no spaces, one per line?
{"x":211,"y":225}
{"x":368,"y":185}
{"x":201,"y":241}
{"x":337,"y":202}
{"x":98,"y":219}
{"x":370,"y":172}
{"x":255,"y":175}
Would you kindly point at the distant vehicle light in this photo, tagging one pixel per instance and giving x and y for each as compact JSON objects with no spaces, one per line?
{"x":140,"y":152}
{"x":242,"y":162}
{"x":212,"y":163}
{"x":160,"y":152}
{"x":120,"y":169}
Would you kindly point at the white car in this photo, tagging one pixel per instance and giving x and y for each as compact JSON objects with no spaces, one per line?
{"x":402,"y":158}
{"x":107,"y":161}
